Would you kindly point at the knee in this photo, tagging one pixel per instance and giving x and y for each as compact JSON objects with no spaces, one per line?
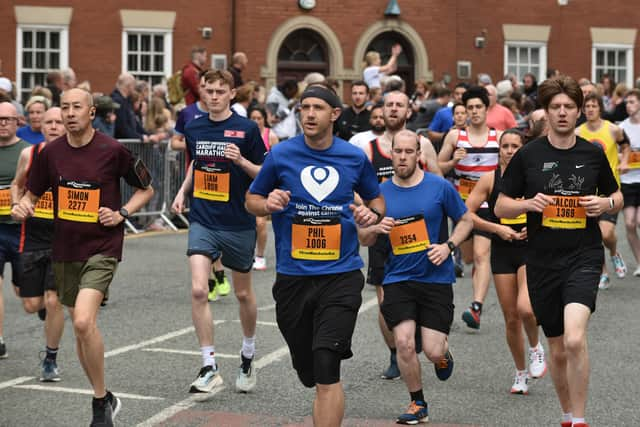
{"x":481,"y":258}
{"x":434,"y":354}
{"x":31,"y":305}
{"x":199,"y":294}
{"x":574,"y":343}
{"x":243,"y":295}
{"x":406,"y":346}
{"x":559,"y":357}
{"x":630,"y":224}
{"x":51,"y":302}
{"x":83,"y":326}
{"x":526,"y":312}
{"x":512,"y":322}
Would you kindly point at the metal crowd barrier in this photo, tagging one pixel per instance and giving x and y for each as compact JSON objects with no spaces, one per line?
{"x":168,"y":170}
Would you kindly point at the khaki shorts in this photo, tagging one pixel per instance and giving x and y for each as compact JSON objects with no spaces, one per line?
{"x":94,"y":273}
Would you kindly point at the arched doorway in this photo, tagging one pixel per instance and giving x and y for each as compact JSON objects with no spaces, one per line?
{"x":383,"y":42}
{"x":302,"y":52}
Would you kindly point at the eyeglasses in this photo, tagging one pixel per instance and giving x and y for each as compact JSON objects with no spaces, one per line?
{"x":5,"y":120}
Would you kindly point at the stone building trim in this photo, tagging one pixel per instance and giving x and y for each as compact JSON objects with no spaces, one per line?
{"x":152,"y":19}
{"x":37,"y":15}
{"x":619,"y":36}
{"x":526,"y":33}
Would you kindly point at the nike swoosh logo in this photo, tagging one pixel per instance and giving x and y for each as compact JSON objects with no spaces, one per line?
{"x":579,"y":166}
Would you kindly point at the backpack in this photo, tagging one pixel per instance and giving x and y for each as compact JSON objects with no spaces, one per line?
{"x":175,"y":89}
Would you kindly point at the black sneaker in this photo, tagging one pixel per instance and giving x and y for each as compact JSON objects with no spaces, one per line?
{"x":105,"y":410}
{"x":42,"y":314}
{"x":3,"y":351}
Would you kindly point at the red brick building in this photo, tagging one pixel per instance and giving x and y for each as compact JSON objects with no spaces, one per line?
{"x":442,"y":39}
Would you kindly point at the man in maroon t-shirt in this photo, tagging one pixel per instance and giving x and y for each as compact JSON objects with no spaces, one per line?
{"x":191,"y":74}
{"x":83,"y":169}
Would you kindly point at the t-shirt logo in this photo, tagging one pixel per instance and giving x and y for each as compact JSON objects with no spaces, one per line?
{"x":319,"y":181}
{"x":234,"y":134}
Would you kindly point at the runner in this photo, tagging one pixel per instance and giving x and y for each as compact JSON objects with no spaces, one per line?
{"x":83,"y":169}
{"x":307,"y":185}
{"x":10,"y":148}
{"x":508,"y":245}
{"x":419,"y":271}
{"x":559,"y":177}
{"x":38,"y":287}
{"x":471,"y":153}
{"x":609,"y":137}
{"x":226,"y":150}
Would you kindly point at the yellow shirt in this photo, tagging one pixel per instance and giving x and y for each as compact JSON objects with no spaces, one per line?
{"x":604,"y":139}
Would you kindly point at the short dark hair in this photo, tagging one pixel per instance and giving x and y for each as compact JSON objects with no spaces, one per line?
{"x":464,"y":85}
{"x":457,"y":104}
{"x":476,"y":92}
{"x":634,"y":92}
{"x":260,"y":110}
{"x":594,"y":97}
{"x":223,"y":76}
{"x":360,"y":83}
{"x":514,"y":131}
{"x":556,"y":86}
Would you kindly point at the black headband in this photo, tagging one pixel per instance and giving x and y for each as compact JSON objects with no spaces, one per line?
{"x":325,"y":94}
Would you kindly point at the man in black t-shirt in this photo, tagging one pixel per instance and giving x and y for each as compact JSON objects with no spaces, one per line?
{"x":355,"y":118}
{"x":565,"y":184}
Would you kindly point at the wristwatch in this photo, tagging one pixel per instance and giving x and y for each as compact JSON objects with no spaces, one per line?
{"x":451,"y":245}
{"x":378,"y":214}
{"x":124,"y":213}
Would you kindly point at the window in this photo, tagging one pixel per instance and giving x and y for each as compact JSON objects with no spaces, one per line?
{"x":615,"y":60}
{"x":521,"y":58}
{"x":41,"y":49}
{"x":147,"y":54}
{"x":302,"y":52}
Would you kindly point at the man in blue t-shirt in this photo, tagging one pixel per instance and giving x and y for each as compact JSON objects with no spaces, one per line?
{"x":419,"y":271}
{"x":226,"y":151}
{"x":307,"y":185}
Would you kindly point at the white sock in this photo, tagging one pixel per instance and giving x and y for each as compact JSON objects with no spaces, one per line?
{"x":575,"y":420}
{"x":567,"y":417}
{"x":1,"y":340}
{"x":522,"y":373}
{"x":535,"y":347}
{"x":208,"y":358}
{"x":249,"y":347}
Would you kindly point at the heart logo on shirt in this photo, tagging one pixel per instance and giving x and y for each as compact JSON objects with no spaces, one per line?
{"x":319,"y":181}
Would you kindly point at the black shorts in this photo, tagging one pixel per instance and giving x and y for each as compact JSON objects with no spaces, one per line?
{"x":9,"y":242}
{"x":631,"y":194}
{"x":37,"y":274}
{"x":316,"y":312}
{"x":550,"y":290}
{"x":507,"y":258}
{"x":484,"y":214}
{"x":430,"y":305}
{"x":613,"y":218}
{"x":378,"y":254}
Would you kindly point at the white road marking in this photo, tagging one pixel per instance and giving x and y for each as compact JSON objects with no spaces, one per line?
{"x":267,"y":307}
{"x":373,"y":302}
{"x":15,"y":381}
{"x":84,"y":391}
{"x":190,"y":352}
{"x":261,"y":322}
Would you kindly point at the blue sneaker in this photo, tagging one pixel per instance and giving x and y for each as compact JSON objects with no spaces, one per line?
{"x":444,"y":368}
{"x":50,"y":372}
{"x":392,"y":372}
{"x":418,"y":412}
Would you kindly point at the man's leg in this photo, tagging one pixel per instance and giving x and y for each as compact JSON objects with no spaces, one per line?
{"x":3,"y":349}
{"x":200,"y":313}
{"x":482,"y":267}
{"x":387,"y":335}
{"x":558,"y":370}
{"x":404,"y":335}
{"x":54,"y":323}
{"x":576,"y":319}
{"x":328,"y":406}
{"x":246,"y":301}
{"x":507,"y":292}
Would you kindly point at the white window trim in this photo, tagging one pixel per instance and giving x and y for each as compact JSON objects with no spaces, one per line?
{"x":629,"y":51}
{"x":543,"y":56}
{"x":64,"y":49}
{"x":168,"y":45}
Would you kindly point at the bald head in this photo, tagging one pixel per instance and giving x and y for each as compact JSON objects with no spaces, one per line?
{"x":126,"y":84}
{"x":75,"y":93}
{"x":493,"y":94}
{"x":52,"y":126}
{"x":406,"y":136}
{"x":7,"y":109}
{"x":8,"y":123}
{"x":240,"y":60}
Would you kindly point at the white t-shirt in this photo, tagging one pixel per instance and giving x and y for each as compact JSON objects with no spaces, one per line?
{"x":372,"y":75}
{"x":633,"y":132}
{"x":361,"y":139}
{"x":239,"y":109}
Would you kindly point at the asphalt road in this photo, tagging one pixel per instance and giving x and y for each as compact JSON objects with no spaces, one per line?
{"x":152,"y":357}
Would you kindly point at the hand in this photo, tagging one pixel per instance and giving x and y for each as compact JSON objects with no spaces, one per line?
{"x":623,"y":168}
{"x":507,"y":233}
{"x":178,"y":202}
{"x":539,"y":202}
{"x":277,"y":200}
{"x":459,"y":154}
{"x":438,"y":253}
{"x":385,"y":226}
{"x":232,"y":152}
{"x":523,"y":234}
{"x":594,"y":206}
{"x":108,"y":217}
{"x":363,"y":216}
{"x":396,"y":50}
{"x":23,"y":210}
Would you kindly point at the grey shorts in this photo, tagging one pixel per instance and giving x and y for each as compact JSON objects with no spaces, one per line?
{"x":236,"y":247}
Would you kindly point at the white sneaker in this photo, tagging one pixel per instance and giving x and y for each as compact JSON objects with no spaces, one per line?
{"x":604,"y":283}
{"x":520,"y":383}
{"x":537,"y":362}
{"x":246,"y":379}
{"x":260,"y":263}
{"x":636,"y":272}
{"x":620,"y":266}
{"x":208,"y":378}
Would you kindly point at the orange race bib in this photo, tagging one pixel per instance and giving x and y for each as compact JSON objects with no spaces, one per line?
{"x":409,"y":235}
{"x":5,"y":200}
{"x":78,"y":200}
{"x":211,"y":183}
{"x":44,"y":207}
{"x":565,"y":212}
{"x":465,"y":186}
{"x":316,"y":239}
{"x":634,"y":160}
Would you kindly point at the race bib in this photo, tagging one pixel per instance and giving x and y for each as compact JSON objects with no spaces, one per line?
{"x":44,"y":207}
{"x":409,"y":235}
{"x":565,"y":213}
{"x":211,"y":183}
{"x":634,"y":160}
{"x":78,"y":200}
{"x":5,"y":200}
{"x":316,"y":239}
{"x":465,"y":186}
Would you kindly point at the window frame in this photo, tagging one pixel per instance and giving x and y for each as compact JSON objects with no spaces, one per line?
{"x":63,"y":30}
{"x":628,"y":48}
{"x":167,"y":69}
{"x":542,"y":46}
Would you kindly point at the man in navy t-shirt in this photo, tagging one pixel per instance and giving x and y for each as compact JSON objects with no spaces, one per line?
{"x":307,"y":185}
{"x":226,"y":151}
{"x":419,"y":271}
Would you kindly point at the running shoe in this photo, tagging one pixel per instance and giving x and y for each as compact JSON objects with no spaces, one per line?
{"x":418,"y":412}
{"x":605,"y":283}
{"x":537,"y":362}
{"x":444,"y":367}
{"x":3,"y":351}
{"x":472,"y":318}
{"x":260,"y":263}
{"x":208,"y":378}
{"x":520,"y":383}
{"x":246,"y":379}
{"x":213,"y":293}
{"x":392,"y":372}
{"x":620,"y":266}
{"x":636,"y":272}
{"x":223,"y":287}
{"x":105,"y":410}
{"x":50,"y":372}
